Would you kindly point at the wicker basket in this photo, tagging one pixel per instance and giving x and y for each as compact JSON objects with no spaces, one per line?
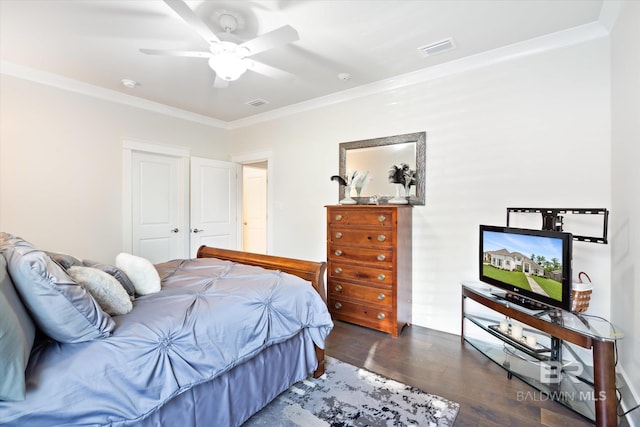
{"x":581,"y":294}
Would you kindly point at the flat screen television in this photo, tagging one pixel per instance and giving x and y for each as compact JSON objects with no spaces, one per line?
{"x":532,"y":267}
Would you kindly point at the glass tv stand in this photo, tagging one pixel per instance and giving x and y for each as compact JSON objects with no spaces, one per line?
{"x":587,"y":388}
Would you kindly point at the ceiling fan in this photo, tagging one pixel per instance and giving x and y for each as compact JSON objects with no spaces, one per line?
{"x":229,"y":60}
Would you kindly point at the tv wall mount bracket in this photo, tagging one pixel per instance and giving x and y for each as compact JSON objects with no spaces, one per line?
{"x":553,"y":219}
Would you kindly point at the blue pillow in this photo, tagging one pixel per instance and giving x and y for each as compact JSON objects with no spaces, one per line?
{"x":16,"y":338}
{"x":64,"y":260}
{"x":60,"y":307}
{"x":114,"y":271}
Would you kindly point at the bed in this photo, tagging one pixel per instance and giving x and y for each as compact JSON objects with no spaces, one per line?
{"x":227,"y":333}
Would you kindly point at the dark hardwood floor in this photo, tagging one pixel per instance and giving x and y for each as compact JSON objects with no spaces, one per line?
{"x":439,"y":363}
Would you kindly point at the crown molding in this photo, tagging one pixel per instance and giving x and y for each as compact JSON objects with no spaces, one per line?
{"x":50,"y":79}
{"x":536,"y":45}
{"x":609,"y":13}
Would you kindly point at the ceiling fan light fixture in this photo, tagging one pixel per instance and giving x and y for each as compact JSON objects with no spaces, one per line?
{"x":227,"y":66}
{"x":227,"y":58}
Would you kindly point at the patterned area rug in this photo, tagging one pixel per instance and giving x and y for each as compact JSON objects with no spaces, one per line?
{"x":349,"y":396}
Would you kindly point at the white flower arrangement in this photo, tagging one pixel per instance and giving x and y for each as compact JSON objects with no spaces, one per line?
{"x":355,"y":179}
{"x":360,"y":180}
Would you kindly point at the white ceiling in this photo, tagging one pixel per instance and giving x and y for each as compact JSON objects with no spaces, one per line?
{"x":97,"y":42}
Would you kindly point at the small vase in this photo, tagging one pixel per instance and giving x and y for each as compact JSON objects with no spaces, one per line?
{"x":347,"y":197}
{"x":400,"y":198}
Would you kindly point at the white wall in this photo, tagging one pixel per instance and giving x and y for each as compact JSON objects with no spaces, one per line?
{"x":533,"y":131}
{"x":625,"y":181}
{"x":61,"y":164}
{"x":553,"y":129}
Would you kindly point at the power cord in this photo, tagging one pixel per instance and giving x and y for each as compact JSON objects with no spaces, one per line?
{"x":615,"y":348}
{"x":624,"y":414}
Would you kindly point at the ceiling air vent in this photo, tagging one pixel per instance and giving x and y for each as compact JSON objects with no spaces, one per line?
{"x":257,"y":102}
{"x":438,"y":47}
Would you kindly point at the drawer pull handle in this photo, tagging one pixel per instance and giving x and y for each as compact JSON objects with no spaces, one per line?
{"x":381,"y":296}
{"x":381,"y":316}
{"x":382,"y":238}
{"x":382,"y":218}
{"x":338,"y":252}
{"x":338,"y":235}
{"x":338,"y":270}
{"x":338,"y":288}
{"x":381,"y":276}
{"x":381,"y":257}
{"x":338,"y":217}
{"x":338,"y":306}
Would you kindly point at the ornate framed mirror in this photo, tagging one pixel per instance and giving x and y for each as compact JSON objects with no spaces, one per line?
{"x":376,"y":156}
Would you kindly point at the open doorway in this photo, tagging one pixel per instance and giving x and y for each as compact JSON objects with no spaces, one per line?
{"x":254,"y":206}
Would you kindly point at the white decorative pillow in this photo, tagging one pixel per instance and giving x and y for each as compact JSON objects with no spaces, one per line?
{"x":104,"y":288}
{"x":140,"y":271}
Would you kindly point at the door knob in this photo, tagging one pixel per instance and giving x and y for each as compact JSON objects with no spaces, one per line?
{"x":174,"y":230}
{"x":196,"y":230}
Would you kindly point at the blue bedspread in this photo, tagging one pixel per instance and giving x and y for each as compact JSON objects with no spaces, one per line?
{"x":210,"y":316}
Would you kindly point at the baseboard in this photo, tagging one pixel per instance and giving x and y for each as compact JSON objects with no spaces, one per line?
{"x":630,"y":398}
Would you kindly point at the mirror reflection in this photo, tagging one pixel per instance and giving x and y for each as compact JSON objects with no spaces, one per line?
{"x":375,"y":157}
{"x":376,"y":161}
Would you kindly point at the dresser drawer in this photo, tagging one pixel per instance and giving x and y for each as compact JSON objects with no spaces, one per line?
{"x":371,"y":315}
{"x":376,"y":276}
{"x":365,"y":294}
{"x":354,"y":236}
{"x":382,"y":257}
{"x":369,"y":265}
{"x":361,"y":217}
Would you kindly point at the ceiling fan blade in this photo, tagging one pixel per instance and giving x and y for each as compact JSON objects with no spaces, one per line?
{"x":277,"y":37}
{"x":270,"y":71}
{"x":220,"y":83}
{"x":165,"y":52}
{"x":190,"y":17}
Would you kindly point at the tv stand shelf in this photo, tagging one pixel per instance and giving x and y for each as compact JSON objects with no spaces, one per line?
{"x":536,"y":351}
{"x":588,"y":390}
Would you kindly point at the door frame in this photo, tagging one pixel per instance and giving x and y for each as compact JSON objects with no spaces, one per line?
{"x":248,"y":158}
{"x":128,"y":147}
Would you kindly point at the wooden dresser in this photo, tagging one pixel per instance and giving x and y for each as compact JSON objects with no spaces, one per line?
{"x":369,"y":265}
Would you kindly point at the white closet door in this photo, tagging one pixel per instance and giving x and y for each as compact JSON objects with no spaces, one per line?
{"x":213,"y":204}
{"x":159,"y":231}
